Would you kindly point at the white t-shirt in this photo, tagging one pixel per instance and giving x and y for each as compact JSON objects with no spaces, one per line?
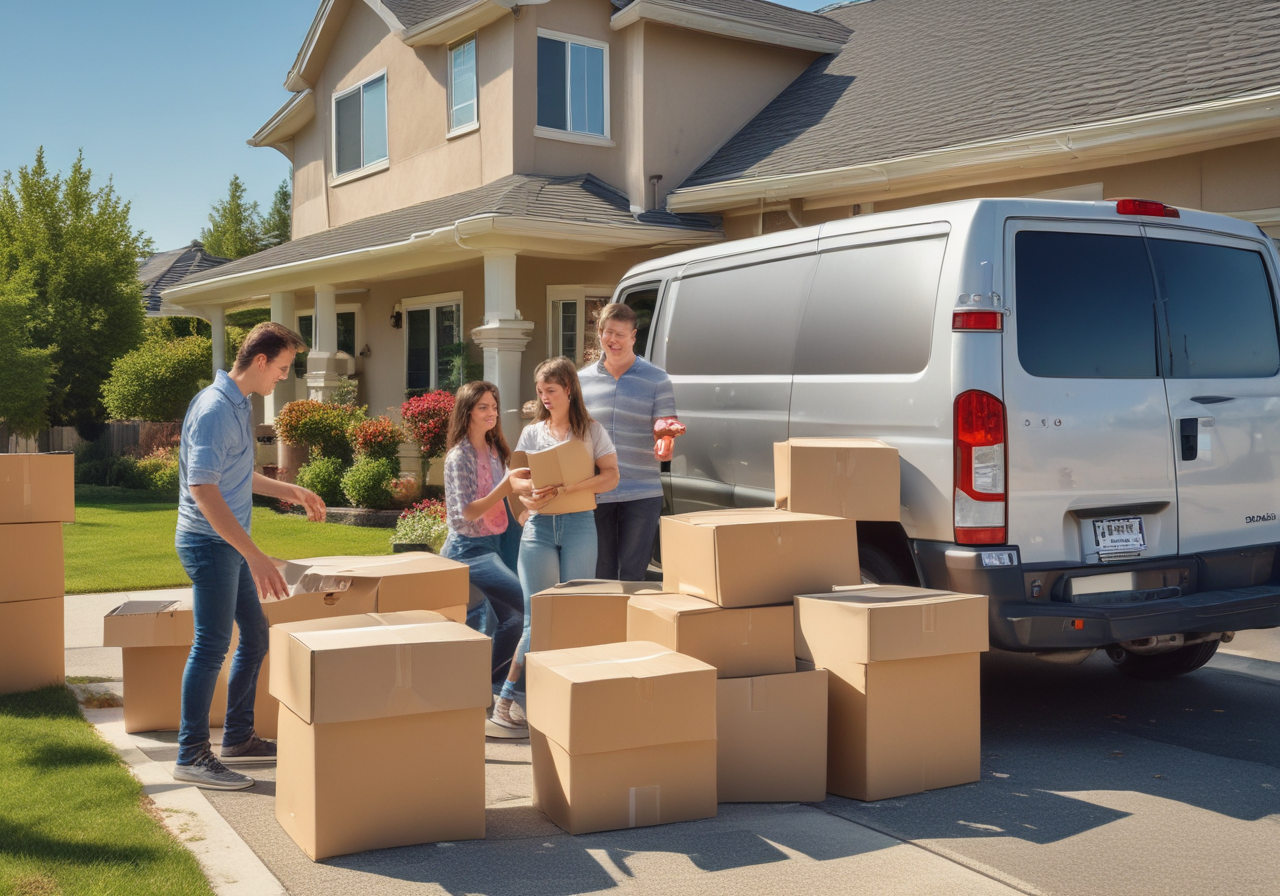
{"x":538,"y":437}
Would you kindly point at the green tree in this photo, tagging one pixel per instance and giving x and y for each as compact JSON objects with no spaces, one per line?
{"x":25,"y":372}
{"x":74,"y":251}
{"x":277,"y":226}
{"x":157,"y":381}
{"x":235,"y":226}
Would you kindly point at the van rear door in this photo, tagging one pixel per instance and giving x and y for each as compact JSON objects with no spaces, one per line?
{"x":1222,"y":362}
{"x":1090,"y":450}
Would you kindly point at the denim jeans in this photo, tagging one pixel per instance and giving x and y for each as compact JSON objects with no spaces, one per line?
{"x":553,"y":549}
{"x":626,"y":530}
{"x":224,"y":593}
{"x":501,"y":589}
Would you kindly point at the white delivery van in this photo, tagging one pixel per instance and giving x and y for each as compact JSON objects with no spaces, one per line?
{"x":1085,"y":396}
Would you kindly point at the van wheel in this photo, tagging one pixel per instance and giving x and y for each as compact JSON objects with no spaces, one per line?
{"x":1162,"y":665}
{"x":878,"y":569}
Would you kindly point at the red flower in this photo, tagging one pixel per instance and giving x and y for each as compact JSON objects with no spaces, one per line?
{"x":426,"y":419}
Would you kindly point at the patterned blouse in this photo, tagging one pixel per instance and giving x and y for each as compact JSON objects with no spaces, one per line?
{"x":463,"y":484}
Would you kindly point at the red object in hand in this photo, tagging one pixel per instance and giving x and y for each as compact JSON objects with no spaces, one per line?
{"x":665,"y":430}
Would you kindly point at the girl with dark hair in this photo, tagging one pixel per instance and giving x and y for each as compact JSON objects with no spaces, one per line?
{"x":555,"y":547}
{"x":476,"y":480}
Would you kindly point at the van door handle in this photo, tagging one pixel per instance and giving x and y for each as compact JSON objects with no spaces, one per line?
{"x":1189,"y":437}
{"x":1212,"y":399}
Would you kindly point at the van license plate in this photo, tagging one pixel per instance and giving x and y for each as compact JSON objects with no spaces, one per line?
{"x":1123,"y":534}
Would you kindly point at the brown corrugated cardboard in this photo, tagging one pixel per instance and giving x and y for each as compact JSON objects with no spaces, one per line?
{"x":772,"y":738}
{"x":738,"y":642}
{"x":367,"y":667}
{"x":31,"y":644}
{"x":854,"y":478}
{"x":149,"y":623}
{"x":410,"y":581}
{"x":581,"y":613}
{"x":749,"y":557}
{"x":351,"y":786}
{"x":872,"y":623}
{"x":31,"y":558}
{"x":565,"y":464}
{"x":37,"y":488}
{"x":622,"y":789}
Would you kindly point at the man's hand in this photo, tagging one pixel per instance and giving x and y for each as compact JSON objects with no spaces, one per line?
{"x":520,"y":481}
{"x":266,"y":575}
{"x":311,"y":501}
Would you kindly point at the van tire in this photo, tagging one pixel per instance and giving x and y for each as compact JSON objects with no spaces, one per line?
{"x":1163,"y":665}
{"x":878,"y":568}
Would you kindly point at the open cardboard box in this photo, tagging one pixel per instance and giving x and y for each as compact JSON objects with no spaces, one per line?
{"x":565,"y":464}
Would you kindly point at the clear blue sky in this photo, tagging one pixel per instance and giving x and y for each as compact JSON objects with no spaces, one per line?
{"x":161,"y":96}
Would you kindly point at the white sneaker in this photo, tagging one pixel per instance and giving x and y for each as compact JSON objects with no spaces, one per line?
{"x":208,"y":772}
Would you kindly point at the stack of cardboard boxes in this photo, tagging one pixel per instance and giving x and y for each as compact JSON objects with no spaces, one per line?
{"x":37,"y":495}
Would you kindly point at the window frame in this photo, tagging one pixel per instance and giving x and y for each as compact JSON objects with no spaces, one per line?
{"x":578,"y":296}
{"x":364,"y":169}
{"x":429,"y":303}
{"x":345,"y":308}
{"x":474,"y":125}
{"x":569,"y":135}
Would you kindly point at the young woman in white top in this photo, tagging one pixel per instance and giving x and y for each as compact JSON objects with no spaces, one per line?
{"x":556,"y":547}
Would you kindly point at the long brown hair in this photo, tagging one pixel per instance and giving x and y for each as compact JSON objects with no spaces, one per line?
{"x":460,"y":420}
{"x":562,"y":372}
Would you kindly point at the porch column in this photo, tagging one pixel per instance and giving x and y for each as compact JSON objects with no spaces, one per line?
{"x":218,"y":324}
{"x":503,"y":335}
{"x":283,"y":308}
{"x":322,"y":361}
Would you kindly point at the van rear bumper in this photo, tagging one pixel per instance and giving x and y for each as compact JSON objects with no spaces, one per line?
{"x":1025,"y":625}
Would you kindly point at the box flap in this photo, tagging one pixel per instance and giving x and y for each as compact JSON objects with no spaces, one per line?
{"x":564,"y":464}
{"x":415,"y":580}
{"x":669,"y":606}
{"x":149,"y":623}
{"x":743,"y":516}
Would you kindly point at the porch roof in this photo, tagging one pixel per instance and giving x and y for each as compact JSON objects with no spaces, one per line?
{"x":160,"y":271}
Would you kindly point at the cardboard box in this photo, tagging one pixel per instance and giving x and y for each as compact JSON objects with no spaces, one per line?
{"x":873,"y":623}
{"x":37,"y":488}
{"x":581,"y":613}
{"x":412,"y":581}
{"x":31,"y":557}
{"x":622,"y":735}
{"x":772,"y":738}
{"x":738,"y":642}
{"x":565,"y":464}
{"x":155,"y":639}
{"x":31,"y":644}
{"x":855,"y":478}
{"x":750,"y":557}
{"x":381,"y":739}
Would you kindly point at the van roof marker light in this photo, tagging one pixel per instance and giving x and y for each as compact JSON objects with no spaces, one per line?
{"x":1147,"y":207}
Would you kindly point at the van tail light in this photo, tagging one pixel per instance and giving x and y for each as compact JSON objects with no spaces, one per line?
{"x":980,"y":490}
{"x":1148,"y":207}
{"x":977,"y":320}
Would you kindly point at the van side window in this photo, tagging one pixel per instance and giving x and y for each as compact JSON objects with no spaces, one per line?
{"x":1222,"y":320}
{"x":871,"y":309}
{"x":738,"y":321}
{"x":1085,"y":305}
{"x":642,"y":300}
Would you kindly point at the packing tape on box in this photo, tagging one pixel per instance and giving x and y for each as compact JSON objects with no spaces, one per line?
{"x":929,"y":618}
{"x":404,"y":666}
{"x":26,"y":482}
{"x":645,"y":806}
{"x":631,"y":659}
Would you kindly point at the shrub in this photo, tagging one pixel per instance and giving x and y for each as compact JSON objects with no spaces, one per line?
{"x":320,"y":426}
{"x":423,"y":523}
{"x":378,"y":438}
{"x":323,"y":475}
{"x":426,"y":418}
{"x":93,"y":472}
{"x":125,"y":472}
{"x":368,"y":483}
{"x":157,"y":380}
{"x":161,"y":470}
{"x":345,"y":392}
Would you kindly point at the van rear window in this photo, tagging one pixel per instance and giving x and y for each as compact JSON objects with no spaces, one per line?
{"x":1085,"y":305}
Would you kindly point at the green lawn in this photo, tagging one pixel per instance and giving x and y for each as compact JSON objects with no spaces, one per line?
{"x":71,"y":816}
{"x":122,"y":540}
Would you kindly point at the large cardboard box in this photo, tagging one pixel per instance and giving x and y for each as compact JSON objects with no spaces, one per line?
{"x":565,"y":464}
{"x":581,"y":613}
{"x":31,"y":644}
{"x":381,"y":739}
{"x":749,"y":557}
{"x":155,"y":639}
{"x":772,"y":738}
{"x":738,"y":642}
{"x":622,"y":735}
{"x":31,"y":561}
{"x":37,"y":488}
{"x":855,"y":478}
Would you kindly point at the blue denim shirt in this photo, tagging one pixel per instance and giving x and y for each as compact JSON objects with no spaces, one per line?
{"x":626,"y":408}
{"x":216,"y":449}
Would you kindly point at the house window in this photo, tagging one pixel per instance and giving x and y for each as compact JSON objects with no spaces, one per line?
{"x":307,"y":330}
{"x":360,"y":126}
{"x":463,"y":107}
{"x":431,"y":332}
{"x":574,"y":326}
{"x":573,"y":84}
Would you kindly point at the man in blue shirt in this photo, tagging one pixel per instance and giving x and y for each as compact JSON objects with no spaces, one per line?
{"x":627,"y":394}
{"x":229,"y":574}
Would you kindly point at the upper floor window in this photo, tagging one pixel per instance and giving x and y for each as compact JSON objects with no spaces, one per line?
{"x":573,"y":84}
{"x":462,"y":85}
{"x":360,"y":126}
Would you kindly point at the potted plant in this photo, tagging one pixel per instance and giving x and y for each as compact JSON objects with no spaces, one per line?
{"x":421,"y":527}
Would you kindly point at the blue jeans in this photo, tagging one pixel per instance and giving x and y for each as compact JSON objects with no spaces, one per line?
{"x":501,"y":589}
{"x":224,"y":593}
{"x":553,"y":549}
{"x":626,"y":530}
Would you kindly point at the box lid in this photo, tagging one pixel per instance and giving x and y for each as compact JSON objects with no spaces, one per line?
{"x":149,"y":623}
{"x":352,"y":668}
{"x":744,"y":516}
{"x":620,"y":696}
{"x":873,"y":623}
{"x":324,"y":574}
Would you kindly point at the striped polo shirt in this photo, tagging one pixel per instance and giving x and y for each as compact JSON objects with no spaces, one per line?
{"x":626,"y":408}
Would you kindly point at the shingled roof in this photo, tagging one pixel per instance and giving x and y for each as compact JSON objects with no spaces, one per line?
{"x":164,"y":269}
{"x":760,"y":12}
{"x":580,"y":199}
{"x":412,"y":13}
{"x":921,"y":75}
